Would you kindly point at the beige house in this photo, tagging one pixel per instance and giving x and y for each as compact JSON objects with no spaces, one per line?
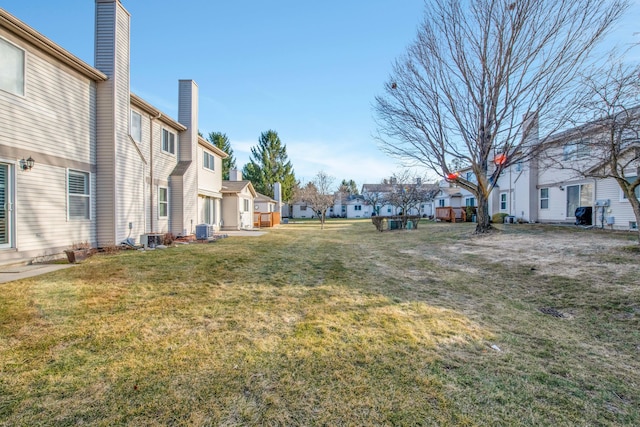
{"x":106,"y":165}
{"x":237,"y":202}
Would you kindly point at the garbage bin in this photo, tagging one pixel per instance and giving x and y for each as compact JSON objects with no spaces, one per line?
{"x":584,"y":215}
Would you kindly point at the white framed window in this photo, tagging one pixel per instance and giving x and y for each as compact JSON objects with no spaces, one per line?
{"x":544,"y":198}
{"x":209,"y":210}
{"x":78,"y":195}
{"x":246,"y":205}
{"x":136,"y":126}
{"x":576,"y":150}
{"x":583,"y":149}
{"x":441,"y":203}
{"x":470,"y":201}
{"x":357,"y":207}
{"x":503,"y":201}
{"x":303,"y":208}
{"x":168,"y":141}
{"x":208,"y":161}
{"x":163,"y":202}
{"x":12,"y":68}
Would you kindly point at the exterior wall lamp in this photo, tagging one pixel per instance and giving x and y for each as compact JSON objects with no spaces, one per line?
{"x":26,"y":165}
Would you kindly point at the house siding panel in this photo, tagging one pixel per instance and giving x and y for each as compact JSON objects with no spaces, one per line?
{"x":54,"y":123}
{"x":104,"y":58}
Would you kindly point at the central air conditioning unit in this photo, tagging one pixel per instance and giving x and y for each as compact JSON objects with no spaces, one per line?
{"x":151,"y":240}
{"x":204,"y":231}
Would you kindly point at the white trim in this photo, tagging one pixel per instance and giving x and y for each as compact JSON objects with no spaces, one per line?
{"x":175,"y":141}
{"x":12,"y":167}
{"x":166,"y":202}
{"x":88,"y":195}
{"x":132,"y":112}
{"x":24,"y":70}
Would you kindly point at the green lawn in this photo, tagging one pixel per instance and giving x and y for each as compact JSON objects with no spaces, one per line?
{"x":344,"y":326}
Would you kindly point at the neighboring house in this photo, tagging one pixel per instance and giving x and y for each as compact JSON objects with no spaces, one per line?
{"x":237,"y":202}
{"x":302,"y":210}
{"x":549,"y":187}
{"x":350,"y":206}
{"x":357,"y":207}
{"x":107,"y":165}
{"x":265,"y":204}
{"x":377,"y":196}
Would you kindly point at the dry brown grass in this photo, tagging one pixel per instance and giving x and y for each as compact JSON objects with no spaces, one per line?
{"x":345,"y":326}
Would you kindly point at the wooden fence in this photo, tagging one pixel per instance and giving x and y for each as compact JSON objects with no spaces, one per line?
{"x":266,"y":219}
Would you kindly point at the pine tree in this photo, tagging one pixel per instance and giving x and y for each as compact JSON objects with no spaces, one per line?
{"x":221,"y":141}
{"x":269,"y":164}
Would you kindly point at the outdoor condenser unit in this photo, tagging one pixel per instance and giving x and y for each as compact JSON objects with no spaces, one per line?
{"x":151,"y":240}
{"x":204,"y":231}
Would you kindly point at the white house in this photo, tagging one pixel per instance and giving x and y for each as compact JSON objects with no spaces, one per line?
{"x":106,"y":165}
{"x":377,"y":196}
{"x":549,"y":187}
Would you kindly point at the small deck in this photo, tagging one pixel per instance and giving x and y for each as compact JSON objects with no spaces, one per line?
{"x":266,"y":219}
{"x":450,"y":214}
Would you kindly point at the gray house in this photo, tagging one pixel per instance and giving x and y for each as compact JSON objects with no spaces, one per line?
{"x":82,"y":159}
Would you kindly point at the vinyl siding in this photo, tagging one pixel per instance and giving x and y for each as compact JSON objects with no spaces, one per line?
{"x":55,"y":117}
{"x":54,"y":123}
{"x":187,"y":149}
{"x":105,"y":33}
{"x":619,"y":207}
{"x":50,"y":227}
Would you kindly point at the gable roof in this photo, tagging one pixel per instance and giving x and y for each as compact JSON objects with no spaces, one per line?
{"x":235,"y":187}
{"x":451,"y":191}
{"x":262,"y":198}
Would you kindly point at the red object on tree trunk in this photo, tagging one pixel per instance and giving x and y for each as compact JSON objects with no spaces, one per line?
{"x":453,"y":176}
{"x":500,"y":159}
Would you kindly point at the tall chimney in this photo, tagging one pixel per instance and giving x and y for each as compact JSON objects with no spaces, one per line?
{"x":115,"y":161}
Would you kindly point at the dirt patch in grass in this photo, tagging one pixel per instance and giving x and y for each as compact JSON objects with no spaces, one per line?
{"x":558,"y":253}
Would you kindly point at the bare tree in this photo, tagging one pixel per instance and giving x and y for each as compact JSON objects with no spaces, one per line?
{"x":373,"y":194}
{"x":476,"y":71}
{"x":610,"y":144}
{"x":406,"y":192}
{"x":318,"y":195}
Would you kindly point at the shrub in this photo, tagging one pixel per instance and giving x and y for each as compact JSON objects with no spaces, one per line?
{"x":379,"y":222}
{"x":498,"y":218}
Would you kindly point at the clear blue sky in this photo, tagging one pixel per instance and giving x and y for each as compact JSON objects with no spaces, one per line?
{"x":307,"y":69}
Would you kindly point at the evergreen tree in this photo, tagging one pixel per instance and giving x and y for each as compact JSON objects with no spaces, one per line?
{"x":269,"y":164}
{"x":221,"y":141}
{"x":349,"y":187}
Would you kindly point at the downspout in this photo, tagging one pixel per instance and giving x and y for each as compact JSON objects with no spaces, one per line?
{"x":151,"y":225}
